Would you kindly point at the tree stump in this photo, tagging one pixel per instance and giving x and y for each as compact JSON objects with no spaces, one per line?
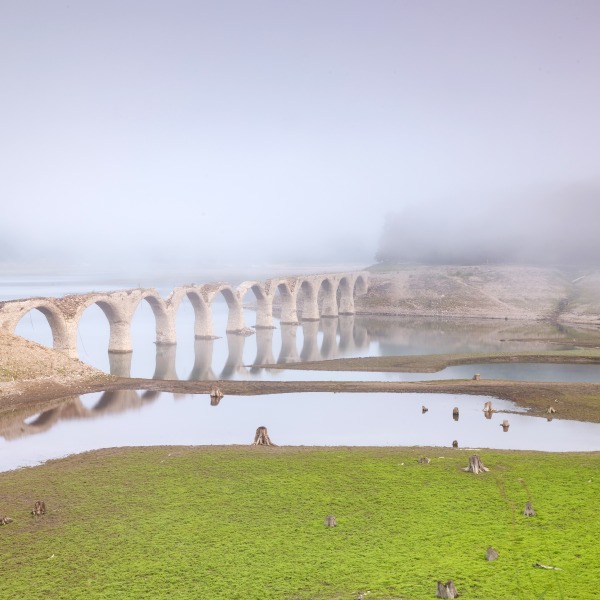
{"x":491,"y":554}
{"x":446,"y":590}
{"x":475,"y":465}
{"x":424,"y":409}
{"x":262,"y":437}
{"x":550,"y":410}
{"x":39,"y":508}
{"x":455,"y":444}
{"x":505,"y":425}
{"x":424,"y":460}
{"x":455,"y":413}
{"x":529,"y":512}
{"x":215,"y":396}
{"x":5,"y":520}
{"x":330,"y":521}
{"x":476,"y":377}
{"x":487,"y":407}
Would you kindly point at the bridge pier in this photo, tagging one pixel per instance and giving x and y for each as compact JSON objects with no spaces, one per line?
{"x":329,"y":307}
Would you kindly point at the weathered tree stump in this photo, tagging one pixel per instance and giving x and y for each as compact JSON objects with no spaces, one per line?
{"x":424,"y":460}
{"x":529,"y":512}
{"x":455,"y":444}
{"x":550,"y":410}
{"x":39,"y":508}
{"x":424,"y":409}
{"x":455,"y":413}
{"x":475,"y":465}
{"x":487,"y":407}
{"x":216,"y":393}
{"x":330,"y":521}
{"x":262,"y":437}
{"x":476,"y":377}
{"x":5,"y":520}
{"x":446,"y":590}
{"x":491,"y":554}
{"x":505,"y":425}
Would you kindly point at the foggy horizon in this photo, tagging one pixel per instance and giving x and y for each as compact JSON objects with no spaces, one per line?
{"x":159,"y":136}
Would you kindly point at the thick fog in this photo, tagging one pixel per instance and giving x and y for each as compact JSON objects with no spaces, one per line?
{"x":559,"y":228}
{"x":151,"y":133}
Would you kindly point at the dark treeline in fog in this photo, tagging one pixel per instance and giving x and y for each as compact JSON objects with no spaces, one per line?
{"x":560,"y":231}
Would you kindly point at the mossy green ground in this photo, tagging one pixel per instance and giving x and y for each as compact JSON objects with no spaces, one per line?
{"x":247,"y":522}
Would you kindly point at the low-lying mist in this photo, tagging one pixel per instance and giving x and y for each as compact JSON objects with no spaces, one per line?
{"x":559,"y":230}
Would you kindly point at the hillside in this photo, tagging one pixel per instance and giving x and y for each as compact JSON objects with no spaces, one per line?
{"x":499,"y":292}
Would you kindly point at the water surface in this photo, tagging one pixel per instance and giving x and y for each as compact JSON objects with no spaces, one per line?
{"x":131,"y":418}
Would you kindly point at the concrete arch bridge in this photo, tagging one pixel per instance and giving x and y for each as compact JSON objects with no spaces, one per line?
{"x":304,"y":298}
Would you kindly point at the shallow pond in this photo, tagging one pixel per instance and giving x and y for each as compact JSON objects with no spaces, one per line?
{"x":131,"y":418}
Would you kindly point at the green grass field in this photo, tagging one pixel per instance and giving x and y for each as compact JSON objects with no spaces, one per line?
{"x":247,"y":523}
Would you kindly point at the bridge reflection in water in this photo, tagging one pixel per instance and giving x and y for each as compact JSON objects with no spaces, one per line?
{"x":327,"y":338}
{"x":324,"y":339}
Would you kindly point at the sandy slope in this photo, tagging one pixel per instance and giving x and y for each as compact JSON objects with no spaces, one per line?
{"x":498,"y":292}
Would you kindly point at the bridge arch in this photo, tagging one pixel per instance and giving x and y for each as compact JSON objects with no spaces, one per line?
{"x":328,"y":297}
{"x":61,"y":333}
{"x":308,"y":293}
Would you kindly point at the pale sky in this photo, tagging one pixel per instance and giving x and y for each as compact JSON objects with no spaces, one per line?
{"x":255,"y":131}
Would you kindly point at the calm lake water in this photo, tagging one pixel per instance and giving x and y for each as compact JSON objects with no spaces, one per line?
{"x":131,"y":418}
{"x":322,"y":419}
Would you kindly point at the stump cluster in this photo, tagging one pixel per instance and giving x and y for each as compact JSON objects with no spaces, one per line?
{"x":529,"y":512}
{"x":476,"y":377}
{"x":330,"y":521}
{"x":424,"y":460}
{"x":446,"y":590}
{"x":5,"y":520}
{"x":39,"y":508}
{"x":262,"y":437}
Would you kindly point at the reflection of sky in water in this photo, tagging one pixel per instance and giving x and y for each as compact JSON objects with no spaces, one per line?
{"x":322,"y":419}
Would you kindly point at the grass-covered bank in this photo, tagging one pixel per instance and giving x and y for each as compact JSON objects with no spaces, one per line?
{"x":247,"y":522}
